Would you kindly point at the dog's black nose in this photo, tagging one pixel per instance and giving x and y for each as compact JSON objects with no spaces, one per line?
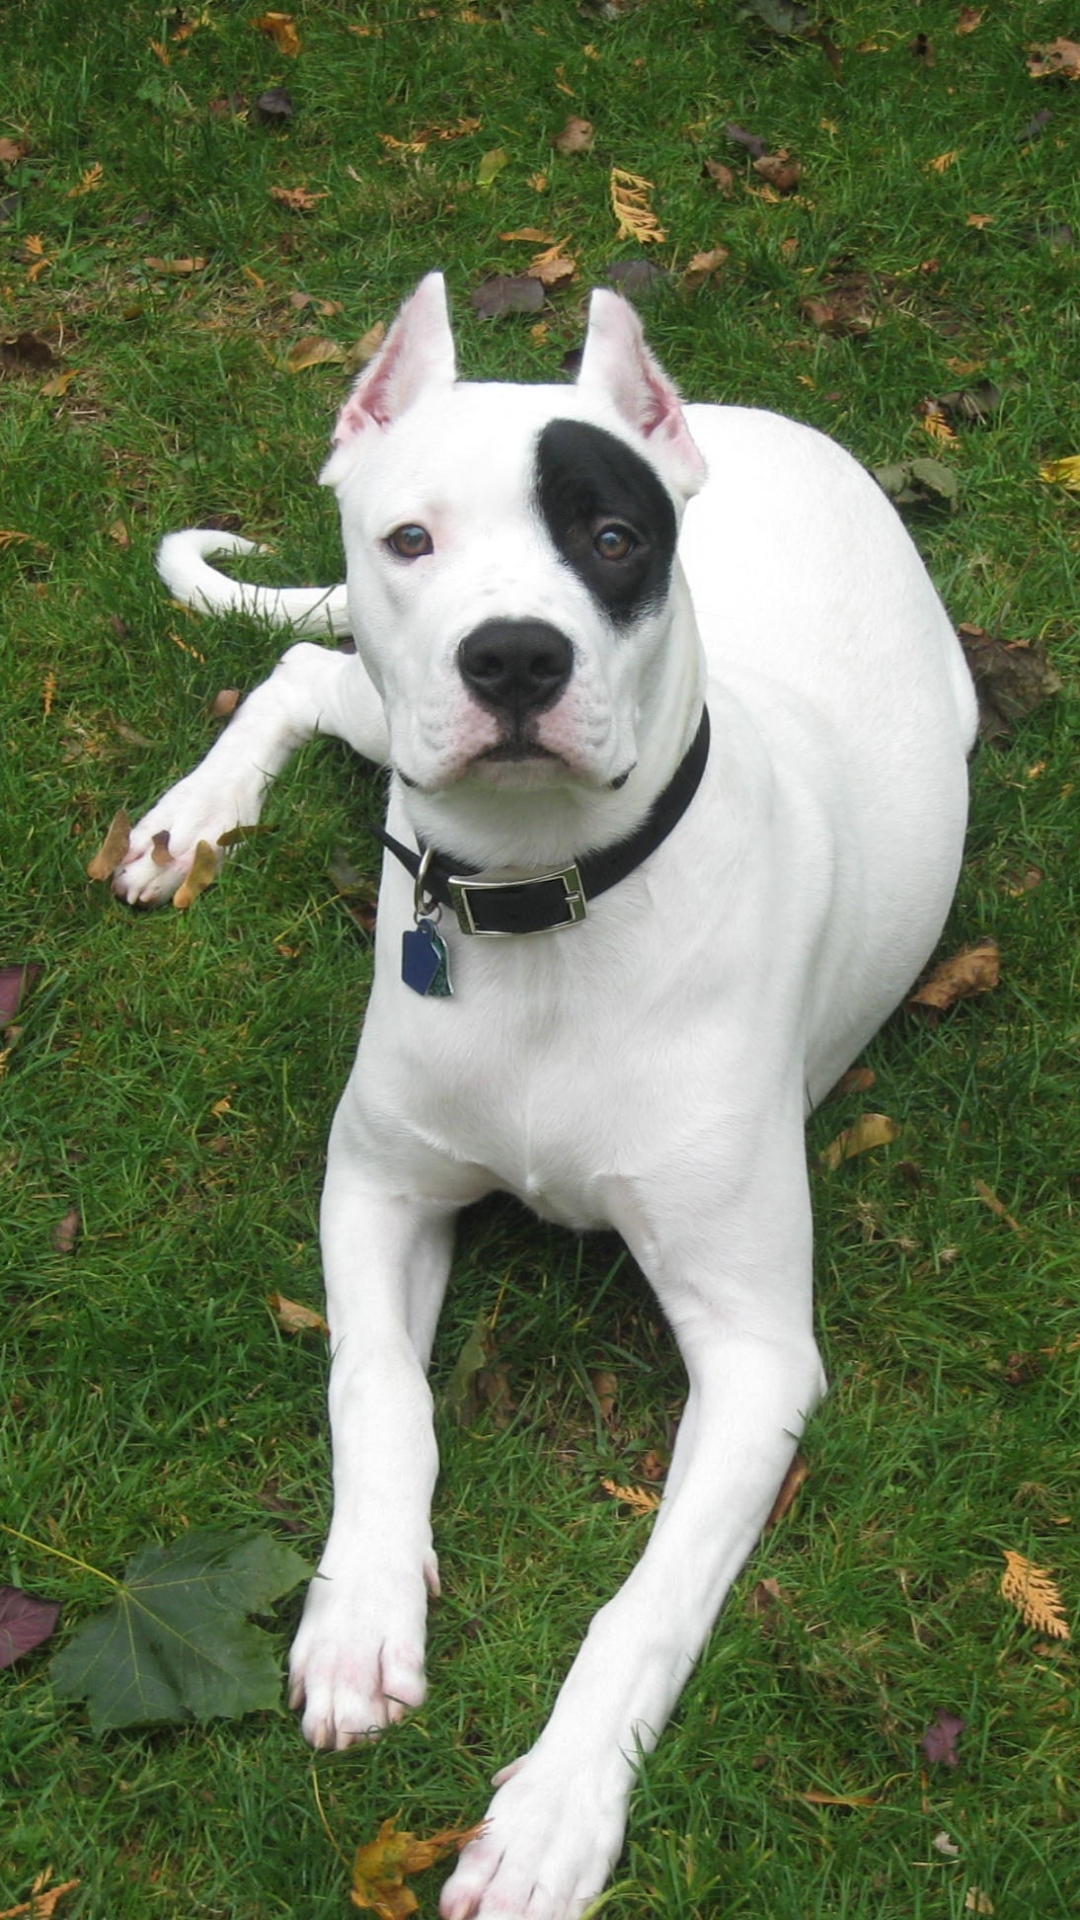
{"x":516,"y":666}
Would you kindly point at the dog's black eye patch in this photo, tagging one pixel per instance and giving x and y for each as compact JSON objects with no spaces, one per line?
{"x":588,"y":480}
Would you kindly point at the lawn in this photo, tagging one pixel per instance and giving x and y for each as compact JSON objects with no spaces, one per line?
{"x":186,"y":278}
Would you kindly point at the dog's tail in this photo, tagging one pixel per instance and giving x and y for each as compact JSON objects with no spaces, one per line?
{"x":182,"y":563}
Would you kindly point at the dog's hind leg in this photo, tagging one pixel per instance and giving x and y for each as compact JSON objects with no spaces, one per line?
{"x":312,"y":690}
{"x":736,"y":1289}
{"x":357,"y":1663}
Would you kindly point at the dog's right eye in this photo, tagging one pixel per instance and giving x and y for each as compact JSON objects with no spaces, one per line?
{"x":410,"y":542}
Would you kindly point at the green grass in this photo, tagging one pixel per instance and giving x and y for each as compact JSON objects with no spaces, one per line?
{"x":145,"y":1385}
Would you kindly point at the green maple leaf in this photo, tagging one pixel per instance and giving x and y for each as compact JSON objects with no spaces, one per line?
{"x":175,"y":1643}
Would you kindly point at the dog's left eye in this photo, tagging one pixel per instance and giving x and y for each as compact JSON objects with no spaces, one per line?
{"x":410,"y":542}
{"x":614,"y":541}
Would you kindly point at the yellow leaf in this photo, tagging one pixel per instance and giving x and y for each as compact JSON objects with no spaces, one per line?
{"x":48,"y":692}
{"x":192,"y":264}
{"x":870,"y":1130}
{"x":55,"y":388}
{"x":935,"y":424}
{"x":640,"y":1500}
{"x":944,"y":161}
{"x":536,"y":234}
{"x":204,"y":871}
{"x":90,"y":182}
{"x":9,"y":537}
{"x":970,"y":18}
{"x":980,"y":220}
{"x":630,"y":205}
{"x":281,"y":28}
{"x":313,"y":352}
{"x":1036,"y":1596}
{"x":113,"y":847}
{"x":491,"y":166}
{"x":1063,"y":473}
{"x":290,"y":1315}
{"x":989,"y":1199}
{"x":380,"y":1868}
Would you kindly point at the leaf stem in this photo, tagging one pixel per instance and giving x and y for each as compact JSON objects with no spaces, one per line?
{"x":42,"y":1546}
{"x":326,"y":1824}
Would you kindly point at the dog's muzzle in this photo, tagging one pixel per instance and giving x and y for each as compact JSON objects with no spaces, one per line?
{"x":515,"y":668}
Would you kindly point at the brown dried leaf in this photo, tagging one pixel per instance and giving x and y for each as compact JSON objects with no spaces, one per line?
{"x":989,"y":1199}
{"x":721,"y":176}
{"x":181,"y":267}
{"x":380,"y":1868}
{"x":779,"y":170}
{"x":204,"y":871}
{"x":534,"y":234}
{"x":976,"y":1901}
{"x":765,"y":1601}
{"x":552,"y":268}
{"x":576,"y":137}
{"x":606,"y":1388}
{"x":293,"y":1318}
{"x":814,"y":1798}
{"x":224,"y":703}
{"x":944,"y":161}
{"x":160,"y":855}
{"x":113,"y":847}
{"x":703,"y":265}
{"x":312,"y":351}
{"x":11,"y":152}
{"x":794,"y":1480}
{"x":1036,"y":1596}
{"x":970,"y":18}
{"x":1057,"y":58}
{"x":640,"y":1500}
{"x":974,"y":969}
{"x":297,"y":199}
{"x":630,"y":205}
{"x":66,"y":1232}
{"x":43,"y":1899}
{"x":855,"y":1080}
{"x":281,"y":29}
{"x":507,"y":293}
{"x":869,"y":1130}
{"x":25,"y":1622}
{"x":367,"y":346}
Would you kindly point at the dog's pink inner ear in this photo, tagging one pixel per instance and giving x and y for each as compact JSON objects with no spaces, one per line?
{"x":617,"y":362}
{"x":418,"y":352}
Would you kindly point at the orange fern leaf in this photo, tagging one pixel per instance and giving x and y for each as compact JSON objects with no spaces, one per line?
{"x":1036,"y":1596}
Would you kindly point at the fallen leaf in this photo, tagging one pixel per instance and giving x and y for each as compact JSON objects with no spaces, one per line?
{"x":939,"y":1741}
{"x":605,"y":1385}
{"x":14,"y":982}
{"x":113,"y":847}
{"x":976,"y":1901}
{"x":847,"y":307}
{"x":816,"y":1799}
{"x":66,"y":1232}
{"x":784,"y":17}
{"x":297,"y":199}
{"x":974,"y":969}
{"x":989,"y":1199}
{"x":534,"y":234}
{"x":43,"y":1899}
{"x":703,"y":265}
{"x":640,"y":1500}
{"x":944,"y":161}
{"x":224,"y":703}
{"x":756,"y":148}
{"x":464,"y":1393}
{"x":636,"y":278}
{"x":1062,"y":473}
{"x":919,"y":483}
{"x":721,"y":177}
{"x":766,"y":1600}
{"x":183,"y":267}
{"x":980,"y":220}
{"x":855,"y":1080}
{"x":942,"y":1842}
{"x":491,"y":165}
{"x":34,"y":253}
{"x":935,"y":424}
{"x":312,"y":351}
{"x":252,"y":830}
{"x":204,"y":871}
{"x":174,"y":1644}
{"x":1036,"y":1596}
{"x":274,"y":108}
{"x":281,"y":29}
{"x":294,"y":1318}
{"x":48,"y":693}
{"x":367,"y":346}
{"x":630,"y":205}
{"x":56,"y":388}
{"x":869,"y":1130}
{"x":576,"y":137}
{"x":553,"y":268}
{"x":653,"y":1465}
{"x":794,"y":1480}
{"x":11,"y":152}
{"x":380,"y":1868}
{"x":25,"y":1622}
{"x":779,"y":170}
{"x":89,"y":183}
{"x":970,"y":18}
{"x":505,"y":293}
{"x":1056,"y":58}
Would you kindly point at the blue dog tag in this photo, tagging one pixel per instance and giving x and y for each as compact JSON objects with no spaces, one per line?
{"x":425,"y":963}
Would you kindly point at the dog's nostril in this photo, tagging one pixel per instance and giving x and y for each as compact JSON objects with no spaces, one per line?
{"x":516,"y":665}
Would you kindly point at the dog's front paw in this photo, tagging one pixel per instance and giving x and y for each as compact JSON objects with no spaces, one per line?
{"x":178,"y":843}
{"x":357,"y":1663}
{"x":549,"y":1843}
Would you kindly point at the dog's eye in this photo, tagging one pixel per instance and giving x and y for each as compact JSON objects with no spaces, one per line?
{"x":614,"y":541}
{"x":410,"y":542}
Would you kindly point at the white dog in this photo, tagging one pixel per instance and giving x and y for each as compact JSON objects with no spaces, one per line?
{"x":703,"y":920}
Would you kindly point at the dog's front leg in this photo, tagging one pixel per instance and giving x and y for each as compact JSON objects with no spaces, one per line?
{"x":737,"y":1292}
{"x":311,"y":690}
{"x":358,"y":1659}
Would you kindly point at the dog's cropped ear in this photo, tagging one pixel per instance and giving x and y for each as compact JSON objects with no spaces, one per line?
{"x":418,"y":352}
{"x":617,"y":364}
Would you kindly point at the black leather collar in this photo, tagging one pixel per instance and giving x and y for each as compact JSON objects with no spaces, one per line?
{"x":498,"y":901}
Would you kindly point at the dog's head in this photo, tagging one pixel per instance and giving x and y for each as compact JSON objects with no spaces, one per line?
{"x":511,"y":553}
